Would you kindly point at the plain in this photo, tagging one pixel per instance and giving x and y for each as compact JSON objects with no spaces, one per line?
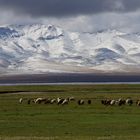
{"x":73,"y":122}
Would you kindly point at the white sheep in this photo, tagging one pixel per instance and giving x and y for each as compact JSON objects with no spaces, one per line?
{"x":20,"y":100}
{"x":129,"y":101}
{"x":65,"y":101}
{"x":112,"y":102}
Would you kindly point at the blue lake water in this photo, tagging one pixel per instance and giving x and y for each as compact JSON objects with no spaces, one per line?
{"x":69,"y":79}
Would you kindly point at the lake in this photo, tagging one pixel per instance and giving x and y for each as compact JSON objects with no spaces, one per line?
{"x":57,"y":78}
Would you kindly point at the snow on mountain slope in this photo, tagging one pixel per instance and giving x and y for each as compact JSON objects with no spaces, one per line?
{"x":46,"y":48}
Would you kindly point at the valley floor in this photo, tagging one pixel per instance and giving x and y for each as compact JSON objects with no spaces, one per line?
{"x":72,"y":121}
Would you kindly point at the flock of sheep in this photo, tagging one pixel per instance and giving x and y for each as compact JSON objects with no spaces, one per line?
{"x":64,"y":101}
{"x":58,"y":101}
{"x":120,"y":102}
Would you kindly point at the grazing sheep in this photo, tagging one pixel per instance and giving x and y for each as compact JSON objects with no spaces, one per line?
{"x":29,"y":101}
{"x":123,"y":102}
{"x":129,"y":101}
{"x":120,"y":102}
{"x":21,"y":100}
{"x":112,"y":102}
{"x":81,"y":102}
{"x":89,"y":102}
{"x":65,"y":101}
{"x":106,"y":102}
{"x":103,"y":102}
{"x":71,"y":99}
{"x":40,"y":100}
{"x":59,"y":101}
{"x":52,"y":101}
{"x":47,"y":100}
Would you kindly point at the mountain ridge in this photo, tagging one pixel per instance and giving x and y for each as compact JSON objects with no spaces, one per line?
{"x":39,"y":48}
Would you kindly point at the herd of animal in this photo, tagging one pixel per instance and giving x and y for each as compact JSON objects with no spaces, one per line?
{"x":64,"y":101}
{"x":118,"y":102}
{"x":58,"y":101}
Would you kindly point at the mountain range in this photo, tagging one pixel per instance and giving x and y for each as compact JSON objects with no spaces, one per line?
{"x":39,"y":48}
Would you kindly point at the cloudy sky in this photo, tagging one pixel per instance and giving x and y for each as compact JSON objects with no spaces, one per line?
{"x":75,"y":15}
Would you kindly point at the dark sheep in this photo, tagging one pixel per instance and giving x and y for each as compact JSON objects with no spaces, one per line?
{"x":81,"y":102}
{"x":106,"y":102}
{"x":129,"y":101}
{"x":89,"y":102}
{"x":60,"y":101}
{"x":29,"y":101}
{"x":65,"y":102}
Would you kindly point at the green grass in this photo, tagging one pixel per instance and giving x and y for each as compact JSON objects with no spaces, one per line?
{"x":72,"y":122}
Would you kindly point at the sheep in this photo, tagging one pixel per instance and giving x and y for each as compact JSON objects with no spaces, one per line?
{"x":59,"y":101}
{"x":21,"y":100}
{"x":112,"y":102}
{"x":106,"y":102}
{"x":120,"y":102}
{"x":89,"y":102}
{"x":103,"y":102}
{"x":29,"y":101}
{"x":129,"y":101}
{"x":52,"y":101}
{"x":65,"y":101}
{"x":47,"y":100}
{"x":71,"y":98}
{"x":81,"y":102}
{"x":40,"y":100}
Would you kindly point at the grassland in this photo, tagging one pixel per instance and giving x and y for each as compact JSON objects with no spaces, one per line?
{"x":70,"y":122}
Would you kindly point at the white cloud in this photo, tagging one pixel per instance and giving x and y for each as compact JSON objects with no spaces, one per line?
{"x":9,"y":17}
{"x":128,"y":22}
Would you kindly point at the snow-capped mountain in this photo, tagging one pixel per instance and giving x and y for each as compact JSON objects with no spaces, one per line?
{"x":46,"y":48}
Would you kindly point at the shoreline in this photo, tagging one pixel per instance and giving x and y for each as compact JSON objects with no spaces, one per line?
{"x":74,"y":83}
{"x":73,"y":73}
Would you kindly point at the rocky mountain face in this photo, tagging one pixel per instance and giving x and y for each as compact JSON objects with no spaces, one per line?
{"x":41,"y":48}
